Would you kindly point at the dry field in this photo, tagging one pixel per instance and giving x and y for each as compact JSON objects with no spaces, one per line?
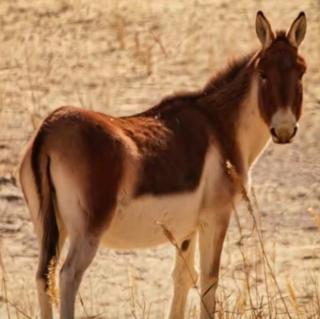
{"x":121,"y":56}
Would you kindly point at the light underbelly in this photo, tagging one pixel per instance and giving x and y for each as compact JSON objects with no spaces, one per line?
{"x":137,"y":222}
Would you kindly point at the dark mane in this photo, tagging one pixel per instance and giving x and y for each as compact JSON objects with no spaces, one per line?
{"x":226,"y":90}
{"x":222,"y":78}
{"x":281,"y":35}
{"x":214,"y":90}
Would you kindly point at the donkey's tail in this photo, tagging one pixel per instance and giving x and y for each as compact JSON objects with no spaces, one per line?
{"x":49,"y":245}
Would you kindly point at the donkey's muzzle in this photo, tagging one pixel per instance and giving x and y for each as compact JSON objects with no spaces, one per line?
{"x":283,"y":135}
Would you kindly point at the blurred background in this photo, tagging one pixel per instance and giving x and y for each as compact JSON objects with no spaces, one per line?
{"x":120,"y":57}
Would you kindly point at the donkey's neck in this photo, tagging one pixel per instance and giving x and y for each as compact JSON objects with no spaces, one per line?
{"x":252,"y":132}
{"x":231,"y":103}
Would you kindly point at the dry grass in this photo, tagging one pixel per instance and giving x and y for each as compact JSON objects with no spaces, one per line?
{"x":151,"y":53}
{"x":273,"y":302}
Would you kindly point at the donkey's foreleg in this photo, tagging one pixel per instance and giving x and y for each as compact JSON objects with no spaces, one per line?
{"x":211,"y":238}
{"x":81,"y":253}
{"x":184,"y":276}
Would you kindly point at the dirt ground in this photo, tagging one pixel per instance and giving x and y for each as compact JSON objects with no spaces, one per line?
{"x":123,"y":56}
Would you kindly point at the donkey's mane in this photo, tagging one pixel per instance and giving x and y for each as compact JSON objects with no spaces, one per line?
{"x":227,"y":75}
{"x":281,"y":35}
{"x":216,"y":90}
{"x":224,"y":90}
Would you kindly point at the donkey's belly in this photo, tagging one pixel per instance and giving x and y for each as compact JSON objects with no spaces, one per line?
{"x":137,"y":223}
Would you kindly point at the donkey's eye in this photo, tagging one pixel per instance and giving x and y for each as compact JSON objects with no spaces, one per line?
{"x":263,"y":77}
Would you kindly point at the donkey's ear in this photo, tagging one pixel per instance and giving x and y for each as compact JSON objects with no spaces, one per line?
{"x":297,"y":30}
{"x":264,"y":30}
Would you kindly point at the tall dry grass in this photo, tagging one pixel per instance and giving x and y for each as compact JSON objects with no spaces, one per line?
{"x":270,"y":300}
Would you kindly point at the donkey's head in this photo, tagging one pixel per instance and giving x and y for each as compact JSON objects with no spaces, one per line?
{"x":280,"y":70}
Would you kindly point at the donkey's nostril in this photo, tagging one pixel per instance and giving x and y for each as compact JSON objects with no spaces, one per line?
{"x":273,"y":132}
{"x":295,"y":130}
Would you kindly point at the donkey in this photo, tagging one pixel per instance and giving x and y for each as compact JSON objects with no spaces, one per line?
{"x":97,"y":179}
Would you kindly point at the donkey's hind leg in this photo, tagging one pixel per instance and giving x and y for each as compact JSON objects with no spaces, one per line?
{"x":42,"y":278}
{"x":81,"y":252}
{"x":184,"y":276}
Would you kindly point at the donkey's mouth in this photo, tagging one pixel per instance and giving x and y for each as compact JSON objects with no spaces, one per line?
{"x":278,"y":141}
{"x":283,"y":136}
